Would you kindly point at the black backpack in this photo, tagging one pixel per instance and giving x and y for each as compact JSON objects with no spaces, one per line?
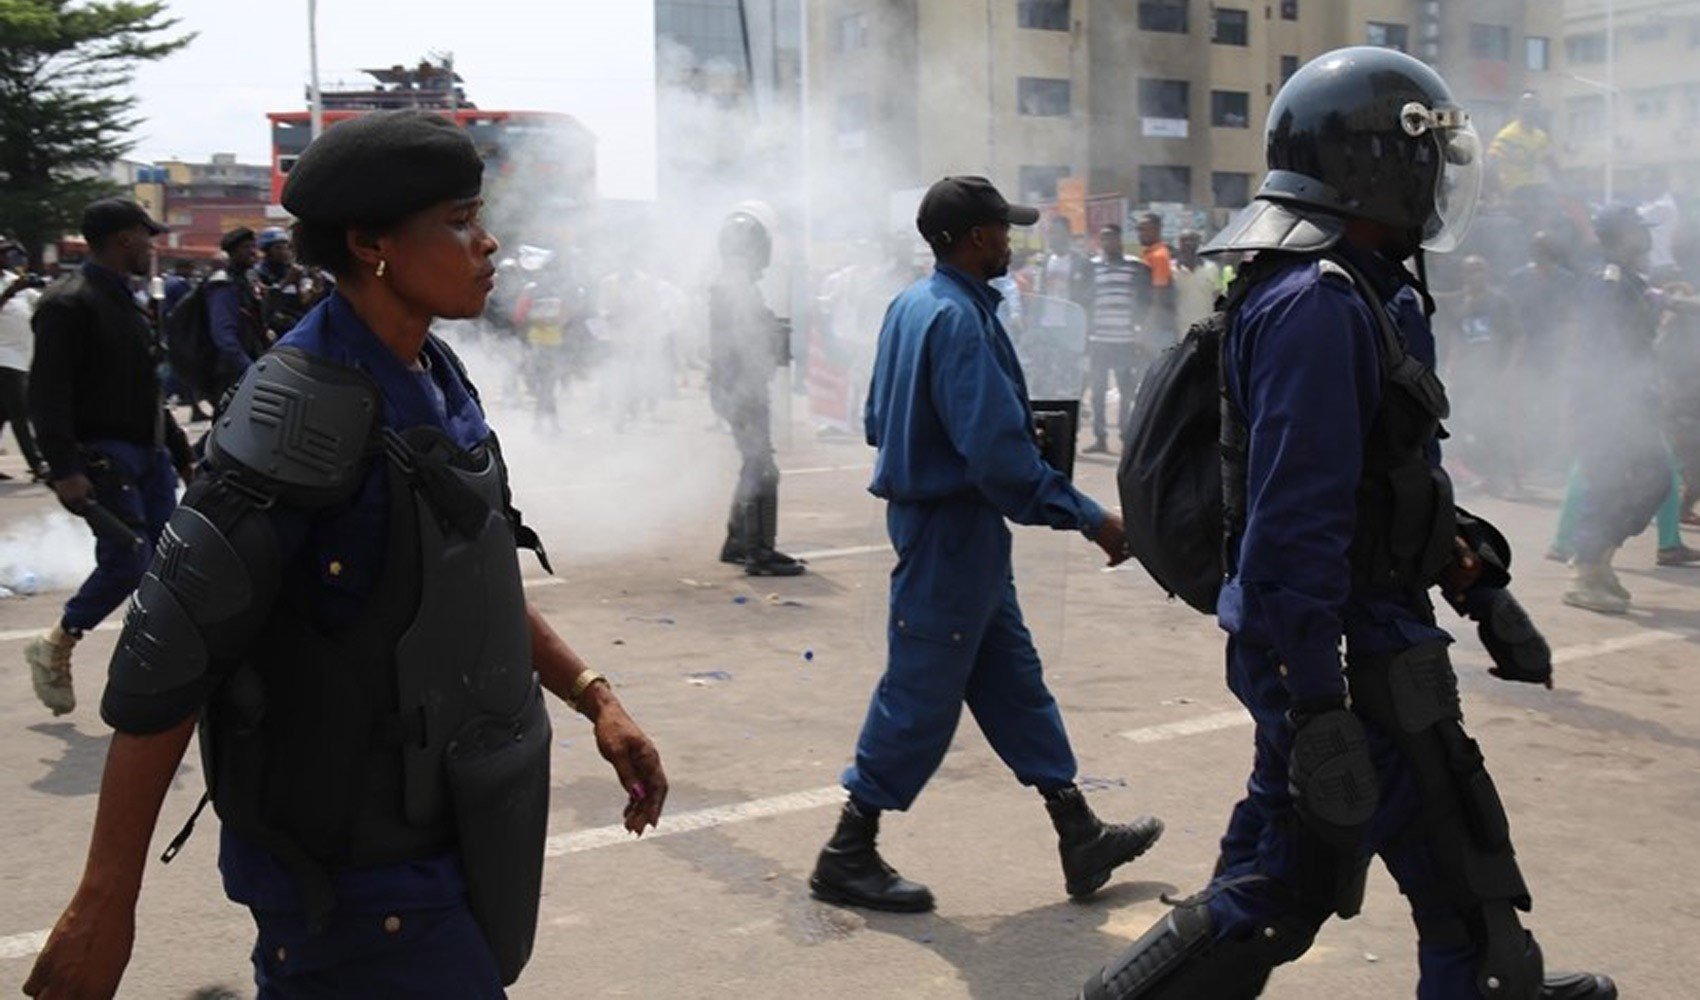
{"x":1170,"y":477}
{"x":188,"y":340}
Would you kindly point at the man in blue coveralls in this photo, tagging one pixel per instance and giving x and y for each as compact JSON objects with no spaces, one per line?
{"x":1339,"y":522}
{"x":949,"y":413}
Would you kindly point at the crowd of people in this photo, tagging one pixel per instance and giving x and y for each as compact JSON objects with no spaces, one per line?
{"x":365,"y":536}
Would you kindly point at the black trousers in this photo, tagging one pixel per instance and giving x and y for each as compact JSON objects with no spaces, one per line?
{"x":14,"y":406}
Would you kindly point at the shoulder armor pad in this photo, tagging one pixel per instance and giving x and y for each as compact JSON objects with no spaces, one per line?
{"x":1330,"y":269}
{"x":299,"y":428}
{"x":1269,"y":225}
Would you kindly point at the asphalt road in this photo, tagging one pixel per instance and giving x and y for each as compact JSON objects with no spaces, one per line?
{"x":754,"y":690}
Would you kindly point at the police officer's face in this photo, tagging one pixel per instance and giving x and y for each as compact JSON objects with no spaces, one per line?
{"x":439,"y":260}
{"x":280,"y":252}
{"x":136,"y":248}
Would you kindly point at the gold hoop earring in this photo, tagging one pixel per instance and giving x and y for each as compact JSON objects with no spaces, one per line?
{"x":382,"y":264}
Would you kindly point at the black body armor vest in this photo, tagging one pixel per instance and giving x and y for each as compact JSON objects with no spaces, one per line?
{"x":1406,"y":522}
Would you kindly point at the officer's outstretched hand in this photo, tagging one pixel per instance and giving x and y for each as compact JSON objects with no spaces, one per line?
{"x":634,"y":757}
{"x":1112,"y":538}
{"x":85,"y":956}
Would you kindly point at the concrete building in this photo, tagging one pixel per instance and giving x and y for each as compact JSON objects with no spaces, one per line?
{"x":1630,"y":112}
{"x":1155,"y":100}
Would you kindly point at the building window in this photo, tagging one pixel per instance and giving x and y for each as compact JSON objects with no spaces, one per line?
{"x":1037,"y":97}
{"x":850,"y":33}
{"x":1389,"y":36}
{"x":1537,"y":53}
{"x":1490,"y":41}
{"x":1289,"y":10}
{"x":1230,"y":109}
{"x":1230,"y":27}
{"x":1585,"y":118}
{"x":854,"y":113}
{"x":1165,"y":184}
{"x":1650,"y":103}
{"x":1289,"y":66}
{"x":1230,"y":190}
{"x":1039,"y":184}
{"x":1163,"y":15}
{"x":1045,"y":15}
{"x":1164,"y":108}
{"x":1589,"y":48}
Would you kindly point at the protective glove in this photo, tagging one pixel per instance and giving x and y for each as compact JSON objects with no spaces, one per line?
{"x":1519,"y":651}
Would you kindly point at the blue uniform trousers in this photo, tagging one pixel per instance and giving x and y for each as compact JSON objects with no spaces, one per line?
{"x":436,"y":954}
{"x":955,"y":635}
{"x":138,"y":483}
{"x":1262,"y":837}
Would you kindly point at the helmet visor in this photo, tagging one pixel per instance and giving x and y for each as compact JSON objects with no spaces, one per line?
{"x":1458,"y":187}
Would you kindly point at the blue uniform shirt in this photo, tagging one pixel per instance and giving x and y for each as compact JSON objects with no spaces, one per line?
{"x":225,"y":300}
{"x":949,"y":413}
{"x":345,"y":547}
{"x":1302,"y":362}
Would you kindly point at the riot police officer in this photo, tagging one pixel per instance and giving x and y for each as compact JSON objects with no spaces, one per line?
{"x":746,"y":342}
{"x":338,"y":600}
{"x":1340,"y":522}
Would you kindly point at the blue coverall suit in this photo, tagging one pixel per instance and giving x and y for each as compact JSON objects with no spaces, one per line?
{"x":1301,"y":361}
{"x":949,"y":413}
{"x":435,"y":949}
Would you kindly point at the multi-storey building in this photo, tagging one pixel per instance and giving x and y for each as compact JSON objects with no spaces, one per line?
{"x":1156,"y":100}
{"x":1630,"y":115}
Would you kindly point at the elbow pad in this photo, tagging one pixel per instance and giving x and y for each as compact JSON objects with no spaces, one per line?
{"x":211,"y":587}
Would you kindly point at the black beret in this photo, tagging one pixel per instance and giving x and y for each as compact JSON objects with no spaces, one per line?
{"x":231,"y":240}
{"x":381,"y":167}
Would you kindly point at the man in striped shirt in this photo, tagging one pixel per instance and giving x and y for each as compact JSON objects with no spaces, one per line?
{"x":1121,"y":298}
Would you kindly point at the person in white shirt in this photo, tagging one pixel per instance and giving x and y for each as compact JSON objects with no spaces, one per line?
{"x":19,"y":290}
{"x":1198,"y":281}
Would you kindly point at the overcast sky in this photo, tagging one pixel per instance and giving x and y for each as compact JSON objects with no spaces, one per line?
{"x":593,"y":59}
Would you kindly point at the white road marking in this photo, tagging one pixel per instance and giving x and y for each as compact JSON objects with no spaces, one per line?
{"x":690,"y":822}
{"x":1570,"y":654}
{"x":1230,"y":720}
{"x":853,"y":550}
{"x":22,"y":945}
{"x":1188,"y":727}
{"x":29,"y":943}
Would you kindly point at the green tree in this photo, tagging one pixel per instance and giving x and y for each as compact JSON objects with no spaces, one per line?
{"x":66,"y":106}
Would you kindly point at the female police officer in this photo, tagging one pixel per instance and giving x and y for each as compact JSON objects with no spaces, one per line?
{"x":338,"y":601}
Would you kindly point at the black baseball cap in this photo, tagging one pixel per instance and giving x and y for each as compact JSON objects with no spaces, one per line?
{"x":114,"y":215}
{"x":1619,"y":218}
{"x":954,"y":205}
{"x":235,"y":238}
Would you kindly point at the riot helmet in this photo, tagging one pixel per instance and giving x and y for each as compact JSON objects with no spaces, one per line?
{"x":1375,"y":134}
{"x":744,"y":240}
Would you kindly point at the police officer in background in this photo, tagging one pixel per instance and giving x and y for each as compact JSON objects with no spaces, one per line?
{"x":234,"y":320}
{"x":338,"y":601}
{"x":99,"y":414}
{"x":949,"y":413}
{"x":1341,"y":521}
{"x":746,"y":343}
{"x":285,"y":289}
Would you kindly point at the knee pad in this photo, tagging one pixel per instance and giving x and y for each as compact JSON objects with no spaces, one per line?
{"x":1181,"y":958}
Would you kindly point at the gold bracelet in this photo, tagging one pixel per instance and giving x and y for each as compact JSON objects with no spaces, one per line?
{"x":581,"y":684}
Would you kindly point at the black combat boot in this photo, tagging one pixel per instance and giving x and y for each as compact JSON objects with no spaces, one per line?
{"x":850,"y":871}
{"x":737,"y":547}
{"x":763,"y":531}
{"x":1091,"y":848}
{"x":1578,"y":986}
